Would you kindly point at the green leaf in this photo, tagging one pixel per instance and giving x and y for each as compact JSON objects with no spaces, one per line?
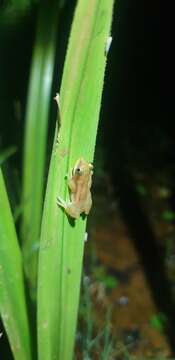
{"x":100,"y":274}
{"x":13,"y":11}
{"x":37,"y":118}
{"x":141,"y":189}
{"x":62,"y":240}
{"x":5,"y":154}
{"x":110,"y":282}
{"x":168,"y":215}
{"x":12,"y":296}
{"x":20,"y":4}
{"x":159,"y":322}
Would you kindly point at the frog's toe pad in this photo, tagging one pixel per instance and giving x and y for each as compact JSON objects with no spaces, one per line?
{"x":61,"y":202}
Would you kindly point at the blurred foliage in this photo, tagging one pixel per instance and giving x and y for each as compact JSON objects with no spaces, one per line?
{"x":159,"y":322}
{"x":5,"y":154}
{"x":100,"y":274}
{"x":90,"y":340}
{"x":168,"y":215}
{"x":141,"y":189}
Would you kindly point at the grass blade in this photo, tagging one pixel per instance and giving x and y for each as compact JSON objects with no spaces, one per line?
{"x":20,"y":4}
{"x":62,"y":241}
{"x":36,"y":135}
{"x":6,"y":153}
{"x":12,"y":297}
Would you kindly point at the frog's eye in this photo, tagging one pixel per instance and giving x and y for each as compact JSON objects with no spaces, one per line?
{"x":78,"y":171}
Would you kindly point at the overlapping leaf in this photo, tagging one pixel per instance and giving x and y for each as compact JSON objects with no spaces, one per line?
{"x":12,"y":295}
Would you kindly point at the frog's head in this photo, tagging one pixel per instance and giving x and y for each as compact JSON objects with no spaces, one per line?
{"x":81,"y":167}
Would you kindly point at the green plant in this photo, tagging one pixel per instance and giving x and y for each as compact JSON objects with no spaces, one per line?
{"x":12,"y":295}
{"x":36,"y":126}
{"x":100,"y":274}
{"x":159,"y":322}
{"x":90,"y":340}
{"x":168,"y":216}
{"x":61,"y":243}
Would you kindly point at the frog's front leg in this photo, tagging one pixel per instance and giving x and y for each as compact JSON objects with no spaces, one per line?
{"x":69,"y":208}
{"x":62,"y":203}
{"x":66,"y":205}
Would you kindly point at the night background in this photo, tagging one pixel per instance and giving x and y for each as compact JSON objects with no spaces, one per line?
{"x":129,"y":263}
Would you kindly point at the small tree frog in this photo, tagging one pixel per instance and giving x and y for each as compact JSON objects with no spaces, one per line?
{"x":79,"y":184}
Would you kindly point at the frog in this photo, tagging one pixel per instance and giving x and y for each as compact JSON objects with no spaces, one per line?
{"x":79,"y":184}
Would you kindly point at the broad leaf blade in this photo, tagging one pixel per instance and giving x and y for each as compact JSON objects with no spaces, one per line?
{"x":62,"y":241}
{"x":12,"y":296}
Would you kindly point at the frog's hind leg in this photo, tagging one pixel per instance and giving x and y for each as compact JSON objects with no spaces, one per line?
{"x":69,"y":208}
{"x":88,"y":205}
{"x":73,"y":211}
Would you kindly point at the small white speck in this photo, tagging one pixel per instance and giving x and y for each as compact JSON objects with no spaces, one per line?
{"x":45,"y":325}
{"x":85,"y":236}
{"x":123,"y":300}
{"x":57,"y":98}
{"x":1,"y":334}
{"x":108,"y":44}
